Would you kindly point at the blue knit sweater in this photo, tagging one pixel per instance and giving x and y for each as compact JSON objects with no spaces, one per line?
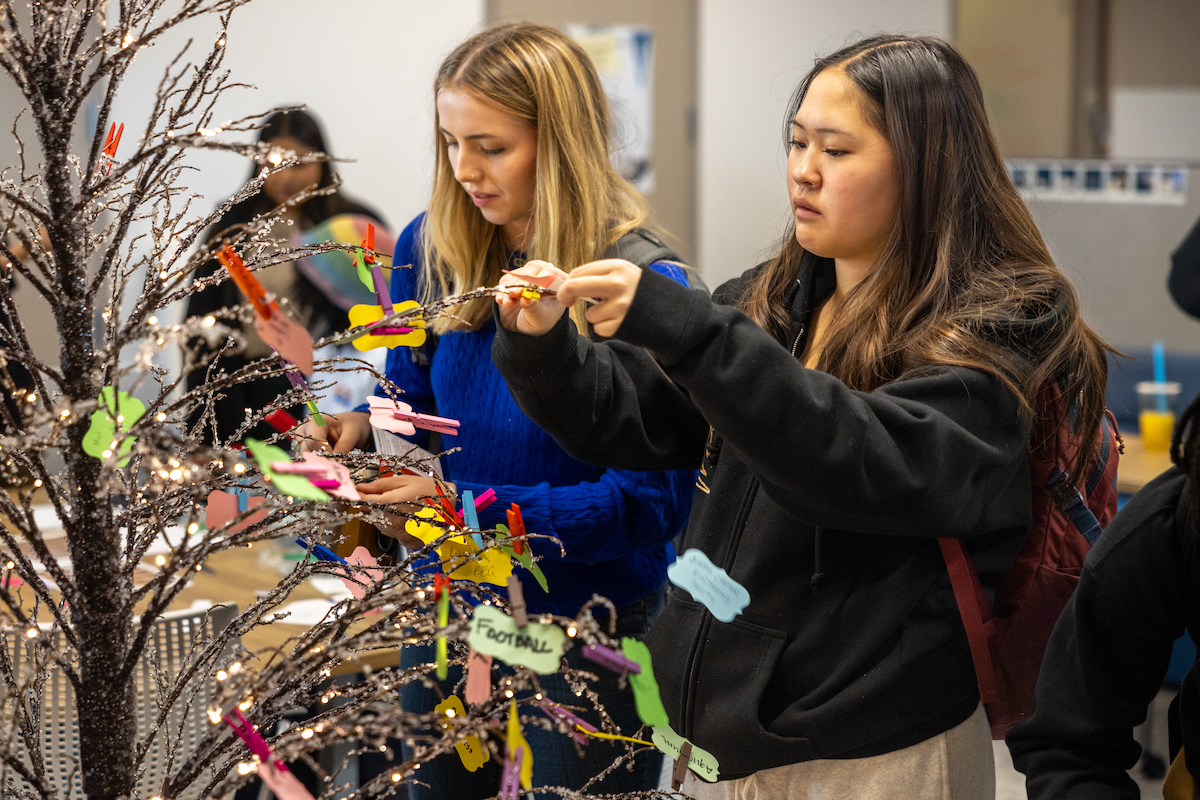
{"x":615,"y":525}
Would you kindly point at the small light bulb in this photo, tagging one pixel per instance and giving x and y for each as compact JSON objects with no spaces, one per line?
{"x":571,"y":631}
{"x":162,"y":417}
{"x":37,"y":483}
{"x":32,"y":633}
{"x":307,"y":733}
{"x":222,"y":674}
{"x":31,"y":398}
{"x":153,"y":320}
{"x":160,"y":560}
{"x":209,"y":321}
{"x":239,"y":467}
{"x":195,"y":526}
{"x":395,"y":777}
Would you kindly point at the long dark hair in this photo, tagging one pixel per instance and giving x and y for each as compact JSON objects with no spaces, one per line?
{"x":305,"y":129}
{"x":965,"y":268}
{"x":1185,"y":449}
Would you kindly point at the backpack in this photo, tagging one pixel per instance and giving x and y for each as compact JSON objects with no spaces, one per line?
{"x":1009,"y":637}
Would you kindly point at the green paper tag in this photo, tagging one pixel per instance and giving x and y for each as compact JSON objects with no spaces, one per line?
{"x":538,"y":645}
{"x":364,"y":272}
{"x":700,"y":761}
{"x":645,"y":688}
{"x":291,"y":485}
{"x":525,"y":559}
{"x":103,"y":428}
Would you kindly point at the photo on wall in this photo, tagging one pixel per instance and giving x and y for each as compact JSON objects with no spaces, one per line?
{"x":1094,"y":181}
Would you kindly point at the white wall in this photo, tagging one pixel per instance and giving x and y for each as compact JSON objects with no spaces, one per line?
{"x":751,"y":56}
{"x":1155,"y":122}
{"x":364,"y":67}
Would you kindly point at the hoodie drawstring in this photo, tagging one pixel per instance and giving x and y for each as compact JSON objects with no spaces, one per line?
{"x":818,"y":576}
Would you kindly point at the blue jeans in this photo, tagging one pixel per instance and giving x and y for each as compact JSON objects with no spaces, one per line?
{"x":555,"y":759}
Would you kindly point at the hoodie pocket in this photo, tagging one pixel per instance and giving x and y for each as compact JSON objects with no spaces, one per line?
{"x":713,"y":682}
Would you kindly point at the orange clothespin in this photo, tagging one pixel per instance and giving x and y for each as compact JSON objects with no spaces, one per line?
{"x":111,"y":143}
{"x":368,"y":244}
{"x":516,"y":528}
{"x":108,"y":155}
{"x":246,"y":281}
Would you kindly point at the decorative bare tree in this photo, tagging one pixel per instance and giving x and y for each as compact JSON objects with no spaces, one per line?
{"x":108,"y":246}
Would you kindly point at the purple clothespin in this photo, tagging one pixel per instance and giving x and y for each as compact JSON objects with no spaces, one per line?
{"x":560,"y":714}
{"x":510,"y":777}
{"x":381,"y":290}
{"x":610,"y":658}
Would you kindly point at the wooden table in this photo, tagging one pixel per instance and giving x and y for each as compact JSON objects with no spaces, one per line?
{"x":1138,"y":467}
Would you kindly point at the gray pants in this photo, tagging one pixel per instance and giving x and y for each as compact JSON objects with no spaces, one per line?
{"x":955,"y":765}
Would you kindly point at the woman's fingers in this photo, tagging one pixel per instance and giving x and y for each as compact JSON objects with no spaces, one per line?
{"x":533,"y":317}
{"x":612,"y":282}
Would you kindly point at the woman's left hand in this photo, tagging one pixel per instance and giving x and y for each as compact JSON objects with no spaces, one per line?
{"x":612,"y":282}
{"x":404,"y":489}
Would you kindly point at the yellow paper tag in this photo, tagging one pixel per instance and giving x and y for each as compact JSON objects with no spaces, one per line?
{"x":365,"y":315}
{"x":456,"y":552}
{"x":474,"y":753}
{"x":517,"y":739}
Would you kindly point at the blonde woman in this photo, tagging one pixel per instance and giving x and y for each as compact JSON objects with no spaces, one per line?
{"x":523,"y":173}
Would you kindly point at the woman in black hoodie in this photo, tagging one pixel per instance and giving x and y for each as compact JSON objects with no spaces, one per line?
{"x":870,"y":388}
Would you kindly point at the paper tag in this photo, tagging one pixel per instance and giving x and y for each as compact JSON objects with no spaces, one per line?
{"x":293,"y":342}
{"x":517,"y":739}
{"x":701,"y":762}
{"x":709,"y":584}
{"x":383,"y":418}
{"x":645,"y":688}
{"x":479,"y":677}
{"x":474,"y":754}
{"x":337,"y":471}
{"x":104,"y":426}
{"x":223,"y":507}
{"x":538,"y":645}
{"x":365,"y":315}
{"x":283,"y":783}
{"x":361,"y":557}
{"x":459,"y":555}
{"x":292,"y":485}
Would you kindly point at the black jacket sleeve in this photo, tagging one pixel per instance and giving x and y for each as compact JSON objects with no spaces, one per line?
{"x":1109,"y":652}
{"x":925,"y":455}
{"x":1184,"y":280}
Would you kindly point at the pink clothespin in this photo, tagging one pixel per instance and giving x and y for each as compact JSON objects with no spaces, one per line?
{"x":429,"y":422}
{"x":485,"y":499}
{"x":273,"y":772}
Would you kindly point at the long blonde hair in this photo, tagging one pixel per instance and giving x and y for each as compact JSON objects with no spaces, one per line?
{"x":581,"y":205}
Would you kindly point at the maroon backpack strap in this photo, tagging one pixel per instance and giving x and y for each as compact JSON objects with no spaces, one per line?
{"x":974,"y":610}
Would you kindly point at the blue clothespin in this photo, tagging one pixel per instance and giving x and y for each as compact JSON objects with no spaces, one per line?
{"x":470,"y":518}
{"x":322,"y":553}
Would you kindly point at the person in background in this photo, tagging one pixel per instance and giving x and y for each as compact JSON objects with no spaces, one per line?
{"x":1184,"y":280}
{"x":1139,"y":591}
{"x":307,"y":305}
{"x":869,"y":389}
{"x":522,"y":171}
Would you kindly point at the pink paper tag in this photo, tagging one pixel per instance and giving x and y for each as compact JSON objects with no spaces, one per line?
{"x":361,"y":557}
{"x":283,"y":783}
{"x":479,"y":678}
{"x":382,"y":415}
{"x":223,"y":506}
{"x":338,"y":472}
{"x":293,"y":342}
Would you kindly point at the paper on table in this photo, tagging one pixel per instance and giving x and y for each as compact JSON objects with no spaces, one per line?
{"x":306,"y":612}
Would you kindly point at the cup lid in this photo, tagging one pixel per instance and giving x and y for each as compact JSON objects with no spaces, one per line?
{"x":1159,"y":387}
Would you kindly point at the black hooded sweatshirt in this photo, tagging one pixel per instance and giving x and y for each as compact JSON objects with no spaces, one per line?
{"x":823,"y":502}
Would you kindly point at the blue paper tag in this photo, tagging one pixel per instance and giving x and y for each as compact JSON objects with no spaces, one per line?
{"x":709,"y":584}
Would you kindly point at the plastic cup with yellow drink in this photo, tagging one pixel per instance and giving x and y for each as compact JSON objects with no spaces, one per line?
{"x":1156,"y":413}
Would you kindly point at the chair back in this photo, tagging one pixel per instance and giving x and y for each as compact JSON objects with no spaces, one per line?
{"x":173,"y":637}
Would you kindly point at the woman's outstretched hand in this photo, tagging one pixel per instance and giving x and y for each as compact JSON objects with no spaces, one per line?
{"x":612,"y":283}
{"x":523,"y":315}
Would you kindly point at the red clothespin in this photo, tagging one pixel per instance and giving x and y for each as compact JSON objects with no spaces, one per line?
{"x":446,"y":508}
{"x":516,"y":602}
{"x":108,"y":156}
{"x":679,"y":771}
{"x":282,"y":420}
{"x":516,"y":528}
{"x":246,"y":281}
{"x":112,"y":142}
{"x":368,"y":243}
